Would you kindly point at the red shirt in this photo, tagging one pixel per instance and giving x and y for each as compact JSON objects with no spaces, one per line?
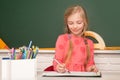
{"x":79,"y":53}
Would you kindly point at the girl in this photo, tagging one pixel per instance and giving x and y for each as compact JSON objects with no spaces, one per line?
{"x":73,"y":51}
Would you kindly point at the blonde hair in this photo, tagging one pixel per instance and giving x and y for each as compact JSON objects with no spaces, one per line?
{"x":68,"y":12}
{"x":73,"y":10}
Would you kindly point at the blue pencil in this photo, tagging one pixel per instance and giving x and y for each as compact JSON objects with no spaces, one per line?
{"x":29,"y":45}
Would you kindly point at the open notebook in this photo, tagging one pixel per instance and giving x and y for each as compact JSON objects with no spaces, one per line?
{"x":71,"y":74}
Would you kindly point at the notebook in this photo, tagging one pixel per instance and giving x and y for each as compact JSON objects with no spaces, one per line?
{"x":71,"y":74}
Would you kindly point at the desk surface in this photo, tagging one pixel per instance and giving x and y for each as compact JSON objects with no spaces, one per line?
{"x":105,"y":76}
{"x":53,"y":51}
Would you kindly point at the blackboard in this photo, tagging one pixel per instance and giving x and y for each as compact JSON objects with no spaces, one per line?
{"x":42,"y":20}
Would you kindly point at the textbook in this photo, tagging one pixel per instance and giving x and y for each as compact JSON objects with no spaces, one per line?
{"x":71,"y":74}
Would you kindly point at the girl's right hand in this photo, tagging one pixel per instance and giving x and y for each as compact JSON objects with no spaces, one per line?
{"x":61,"y":68}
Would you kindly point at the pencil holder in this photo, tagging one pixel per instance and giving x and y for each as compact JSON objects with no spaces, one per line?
{"x":22,"y":69}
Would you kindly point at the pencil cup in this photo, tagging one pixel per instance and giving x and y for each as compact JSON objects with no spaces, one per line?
{"x":22,"y":69}
{"x":6,"y":69}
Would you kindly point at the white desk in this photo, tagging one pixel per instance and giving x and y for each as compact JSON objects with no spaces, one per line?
{"x":53,"y":51}
{"x":106,"y":60}
{"x":105,"y":76}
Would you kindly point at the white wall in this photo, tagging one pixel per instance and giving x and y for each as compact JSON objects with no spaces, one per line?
{"x":104,"y":61}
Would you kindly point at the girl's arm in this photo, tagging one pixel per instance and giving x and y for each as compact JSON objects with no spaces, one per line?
{"x":91,"y":64}
{"x":59,"y":51}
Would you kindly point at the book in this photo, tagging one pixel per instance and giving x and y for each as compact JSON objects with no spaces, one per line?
{"x":71,"y":74}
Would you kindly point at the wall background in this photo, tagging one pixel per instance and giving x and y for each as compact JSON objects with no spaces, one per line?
{"x":42,"y":20}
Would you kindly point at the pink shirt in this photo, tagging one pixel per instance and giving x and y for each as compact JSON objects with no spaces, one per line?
{"x":78,"y":54}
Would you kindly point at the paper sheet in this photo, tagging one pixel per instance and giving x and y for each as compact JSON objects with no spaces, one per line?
{"x":71,"y":74}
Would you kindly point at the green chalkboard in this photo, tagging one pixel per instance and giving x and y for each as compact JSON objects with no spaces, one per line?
{"x":42,"y":20}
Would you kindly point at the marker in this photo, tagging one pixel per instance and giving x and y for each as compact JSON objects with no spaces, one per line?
{"x":12,"y":53}
{"x":35,"y":52}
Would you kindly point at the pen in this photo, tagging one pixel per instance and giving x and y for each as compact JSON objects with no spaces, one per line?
{"x":59,"y":63}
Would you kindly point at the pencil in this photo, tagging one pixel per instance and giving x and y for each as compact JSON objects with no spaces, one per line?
{"x":29,"y":45}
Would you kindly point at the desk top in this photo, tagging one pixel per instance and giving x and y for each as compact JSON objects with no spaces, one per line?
{"x":105,"y":76}
{"x":53,"y":51}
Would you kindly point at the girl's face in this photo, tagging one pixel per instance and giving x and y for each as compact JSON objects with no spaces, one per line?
{"x":75,"y":24}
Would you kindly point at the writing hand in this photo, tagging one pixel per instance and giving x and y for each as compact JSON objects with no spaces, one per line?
{"x":61,"y":68}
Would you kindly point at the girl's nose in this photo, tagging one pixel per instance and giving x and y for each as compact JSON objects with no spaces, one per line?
{"x":75,"y":26}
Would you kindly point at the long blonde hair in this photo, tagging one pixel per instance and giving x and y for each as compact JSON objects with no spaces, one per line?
{"x":68,"y":12}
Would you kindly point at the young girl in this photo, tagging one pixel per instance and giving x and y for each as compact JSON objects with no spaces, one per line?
{"x":73,"y":51}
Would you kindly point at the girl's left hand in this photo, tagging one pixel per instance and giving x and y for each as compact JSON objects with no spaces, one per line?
{"x":92,"y":69}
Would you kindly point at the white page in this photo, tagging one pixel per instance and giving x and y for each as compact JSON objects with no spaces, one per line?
{"x":82,"y":74}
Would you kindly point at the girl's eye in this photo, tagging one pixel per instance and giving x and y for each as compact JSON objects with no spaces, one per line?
{"x":70,"y":23}
{"x":79,"y":22}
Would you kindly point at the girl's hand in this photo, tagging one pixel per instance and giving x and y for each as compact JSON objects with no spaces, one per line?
{"x":92,"y":69}
{"x":61,"y":68}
